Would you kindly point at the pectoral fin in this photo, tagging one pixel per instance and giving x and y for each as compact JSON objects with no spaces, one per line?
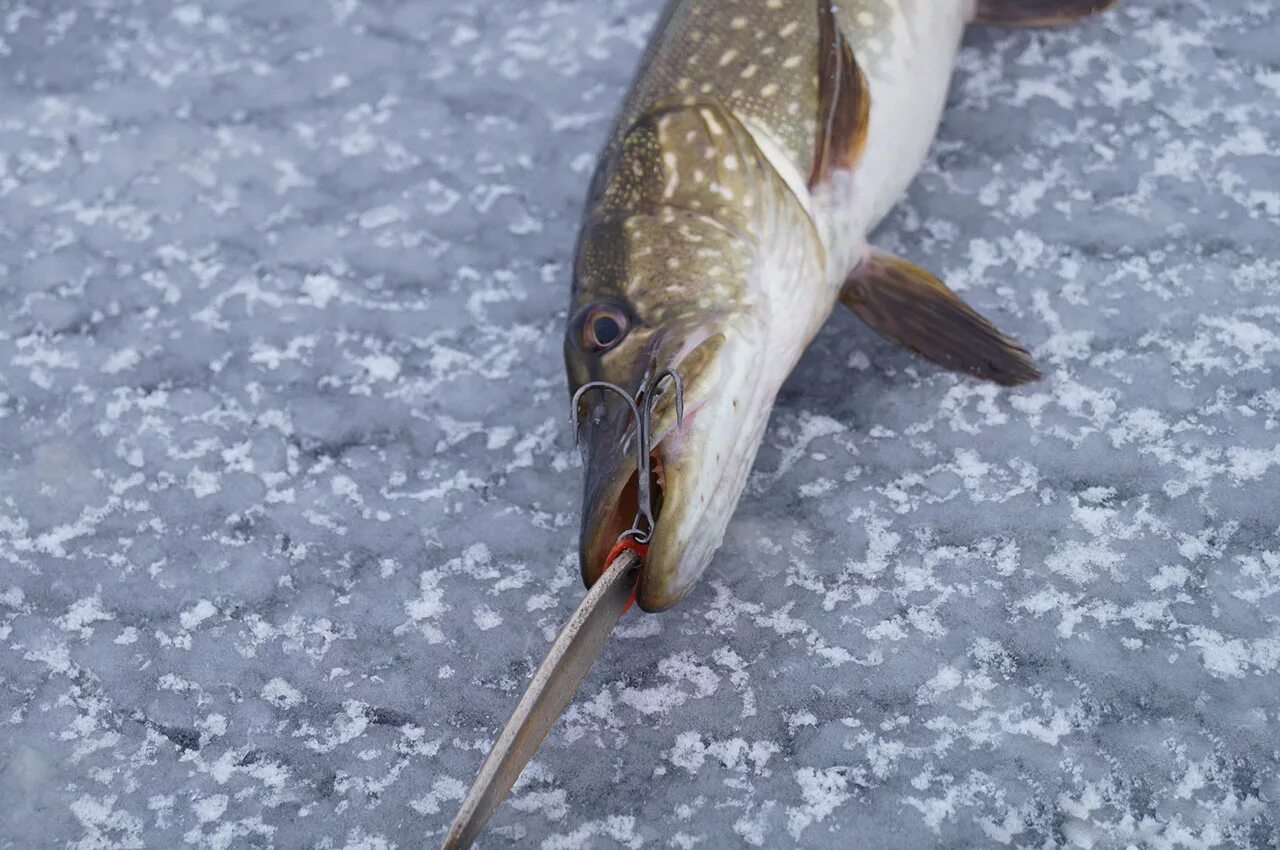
{"x":1037,"y":13}
{"x":906,"y":304}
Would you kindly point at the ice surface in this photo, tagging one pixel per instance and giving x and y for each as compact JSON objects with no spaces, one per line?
{"x":288,"y":503}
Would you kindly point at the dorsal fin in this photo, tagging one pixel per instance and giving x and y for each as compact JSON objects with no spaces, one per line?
{"x":1037,"y":13}
{"x":844,"y":101}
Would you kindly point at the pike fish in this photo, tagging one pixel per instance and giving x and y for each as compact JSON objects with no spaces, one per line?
{"x":760,"y":144}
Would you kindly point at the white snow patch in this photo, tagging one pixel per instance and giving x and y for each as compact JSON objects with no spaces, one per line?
{"x":444,"y":789}
{"x":343,"y":485}
{"x":106,"y":826}
{"x":188,"y":15}
{"x":203,"y":484}
{"x":119,"y":361}
{"x":281,"y":694}
{"x":1169,"y":576}
{"x":197,"y":614}
{"x":947,"y":679}
{"x":1252,"y":464}
{"x":486,"y":618}
{"x":381,"y":367}
{"x":210,"y":808}
{"x":823,"y":791}
{"x":321,"y":288}
{"x":678,"y":668}
{"x":82,"y":614}
{"x":428,"y":606}
{"x":381,"y":217}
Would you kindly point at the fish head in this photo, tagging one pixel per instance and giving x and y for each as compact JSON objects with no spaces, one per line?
{"x":687,"y":223}
{"x":682,"y":310}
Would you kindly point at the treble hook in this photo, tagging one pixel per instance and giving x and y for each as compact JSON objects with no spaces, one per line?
{"x":656,"y":384}
{"x":626,"y":396}
{"x":643,"y":417}
{"x":644,"y":496}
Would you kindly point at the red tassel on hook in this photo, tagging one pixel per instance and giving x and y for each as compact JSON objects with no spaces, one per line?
{"x":624,"y":543}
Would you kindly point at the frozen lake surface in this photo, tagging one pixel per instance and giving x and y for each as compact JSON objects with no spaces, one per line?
{"x":288,"y":504}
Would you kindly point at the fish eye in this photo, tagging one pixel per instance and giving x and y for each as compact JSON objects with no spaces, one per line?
{"x":606,"y":330}
{"x":603,"y":327}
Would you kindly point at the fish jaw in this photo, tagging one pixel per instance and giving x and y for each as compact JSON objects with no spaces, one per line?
{"x":699,"y":466}
{"x":704,"y":468}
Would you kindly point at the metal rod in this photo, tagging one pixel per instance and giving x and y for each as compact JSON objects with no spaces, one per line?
{"x":576,"y":648}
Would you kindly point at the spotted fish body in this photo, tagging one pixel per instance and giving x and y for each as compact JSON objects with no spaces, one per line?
{"x":760,"y":143}
{"x":760,"y":59}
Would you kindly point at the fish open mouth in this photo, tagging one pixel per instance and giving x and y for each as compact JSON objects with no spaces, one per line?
{"x":616,"y":503}
{"x":622,"y":517}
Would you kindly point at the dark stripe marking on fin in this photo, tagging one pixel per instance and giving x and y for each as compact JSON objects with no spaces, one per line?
{"x":1037,"y":13}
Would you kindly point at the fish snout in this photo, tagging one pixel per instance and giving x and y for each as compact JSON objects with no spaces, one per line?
{"x":696,"y":465}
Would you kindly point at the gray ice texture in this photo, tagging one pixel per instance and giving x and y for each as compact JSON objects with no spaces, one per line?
{"x":289,"y":504}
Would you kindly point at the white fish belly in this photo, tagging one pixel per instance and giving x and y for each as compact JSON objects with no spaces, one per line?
{"x":908,"y":60}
